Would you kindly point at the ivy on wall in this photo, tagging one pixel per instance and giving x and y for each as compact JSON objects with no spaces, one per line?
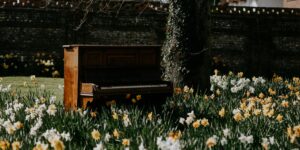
{"x":174,"y":51}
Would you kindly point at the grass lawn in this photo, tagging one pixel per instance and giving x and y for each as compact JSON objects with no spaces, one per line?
{"x":54,"y":85}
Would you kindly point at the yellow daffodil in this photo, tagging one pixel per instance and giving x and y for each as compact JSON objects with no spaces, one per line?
{"x":175,"y":135}
{"x":125,"y":142}
{"x":285,"y":104}
{"x":265,"y":146}
{"x":247,"y":114}
{"x":125,"y":117}
{"x":289,"y":131}
{"x":271,"y":91}
{"x":222,"y":112}
{"x":238,"y":117}
{"x":133,"y":100}
{"x":96,"y":135}
{"x":240,"y":74}
{"x":204,"y":122}
{"x":257,"y":112}
{"x":4,"y":145}
{"x":43,"y":99}
{"x":115,"y":115}
{"x":211,"y":142}
{"x":296,"y":80}
{"x":196,"y":124}
{"x":16,"y":145}
{"x":205,"y":97}
{"x":277,"y":78}
{"x":40,"y":146}
{"x":116,"y":134}
{"x":293,"y":139}
{"x":93,"y":114}
{"x":243,"y":106}
{"x":261,"y":95}
{"x":269,"y":99}
{"x":177,"y":91}
{"x":57,"y":144}
{"x":138,"y":97}
{"x":279,"y":118}
{"x":267,"y":106}
{"x":251,"y":106}
{"x":270,"y":113}
{"x":218,"y":92}
{"x":18,"y":125}
{"x":290,"y":87}
{"x":297,"y":130}
{"x":150,"y":116}
{"x":253,"y":100}
{"x":283,"y":96}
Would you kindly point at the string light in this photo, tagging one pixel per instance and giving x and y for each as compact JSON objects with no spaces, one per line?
{"x":249,"y":10}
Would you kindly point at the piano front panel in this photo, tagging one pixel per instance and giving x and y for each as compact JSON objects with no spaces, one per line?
{"x":92,"y":58}
{"x":149,"y":58}
{"x":107,"y":58}
{"x":121,"y":60}
{"x":120,"y":75}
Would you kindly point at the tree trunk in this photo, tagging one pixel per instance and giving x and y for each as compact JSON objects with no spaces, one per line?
{"x":186,"y":52}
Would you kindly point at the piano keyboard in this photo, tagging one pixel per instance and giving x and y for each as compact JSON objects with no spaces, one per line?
{"x":133,"y":89}
{"x":133,"y":86}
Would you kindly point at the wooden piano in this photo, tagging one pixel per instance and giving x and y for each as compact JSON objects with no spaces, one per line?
{"x":98,"y":73}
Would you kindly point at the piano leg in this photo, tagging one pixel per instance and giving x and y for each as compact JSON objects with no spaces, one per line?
{"x":85,"y":101}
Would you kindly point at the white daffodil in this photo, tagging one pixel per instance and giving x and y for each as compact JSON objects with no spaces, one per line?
{"x":33,"y":130}
{"x":66,"y":136}
{"x":235,"y":111}
{"x":246,"y":139}
{"x":99,"y":146}
{"x":224,"y":141}
{"x":226,"y":132}
{"x":181,"y":120}
{"x":141,"y":146}
{"x":51,"y":110}
{"x":107,"y":137}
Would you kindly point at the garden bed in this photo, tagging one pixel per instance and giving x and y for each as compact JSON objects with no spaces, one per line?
{"x":237,"y":113}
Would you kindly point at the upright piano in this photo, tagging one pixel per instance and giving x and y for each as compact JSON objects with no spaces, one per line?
{"x":100,"y":73}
